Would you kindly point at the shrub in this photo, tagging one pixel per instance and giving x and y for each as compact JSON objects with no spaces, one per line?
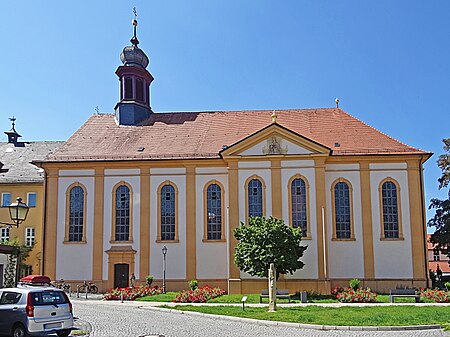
{"x":447,"y":285}
{"x":354,"y":283}
{"x":336,"y":291}
{"x":130,"y":294}
{"x":193,"y":284}
{"x":350,"y":295}
{"x":199,"y":295}
{"x":149,"y":280}
{"x":435,"y":295}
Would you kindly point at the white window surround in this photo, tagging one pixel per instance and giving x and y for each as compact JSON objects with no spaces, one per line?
{"x":29,"y":236}
{"x":4,"y":234}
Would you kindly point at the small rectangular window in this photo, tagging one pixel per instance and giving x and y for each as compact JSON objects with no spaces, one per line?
{"x":6,"y":199}
{"x":29,"y":236}
{"x":31,"y":199}
{"x":4,"y":234}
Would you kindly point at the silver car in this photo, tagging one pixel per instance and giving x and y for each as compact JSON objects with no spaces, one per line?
{"x":35,"y":310}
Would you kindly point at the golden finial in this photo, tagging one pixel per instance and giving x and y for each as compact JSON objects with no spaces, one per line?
{"x":274,"y":117}
{"x":337,"y":102}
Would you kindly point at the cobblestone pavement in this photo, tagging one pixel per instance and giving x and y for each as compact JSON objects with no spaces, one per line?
{"x":115,"y":319}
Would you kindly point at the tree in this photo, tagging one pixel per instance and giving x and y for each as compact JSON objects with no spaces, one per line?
{"x":268,"y":240}
{"x":441,"y":219}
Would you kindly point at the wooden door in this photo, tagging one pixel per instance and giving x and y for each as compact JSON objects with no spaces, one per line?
{"x":121,"y":275}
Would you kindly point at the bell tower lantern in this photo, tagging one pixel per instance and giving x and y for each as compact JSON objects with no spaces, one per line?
{"x":134,"y":105}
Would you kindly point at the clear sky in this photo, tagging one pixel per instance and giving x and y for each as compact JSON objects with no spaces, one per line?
{"x":387,"y":61}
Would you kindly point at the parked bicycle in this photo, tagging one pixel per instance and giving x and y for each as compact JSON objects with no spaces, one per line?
{"x":61,"y":284}
{"x":90,"y":287}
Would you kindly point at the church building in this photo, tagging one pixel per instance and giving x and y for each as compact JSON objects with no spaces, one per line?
{"x":126,"y":185}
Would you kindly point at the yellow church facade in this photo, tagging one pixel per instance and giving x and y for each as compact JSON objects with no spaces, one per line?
{"x":128,"y":184}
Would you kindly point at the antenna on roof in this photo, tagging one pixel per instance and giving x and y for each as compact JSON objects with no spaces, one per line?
{"x":337,"y":102}
{"x":12,"y":119}
{"x":97,"y":110}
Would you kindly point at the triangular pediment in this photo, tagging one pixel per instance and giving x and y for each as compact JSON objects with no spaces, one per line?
{"x":275,"y":140}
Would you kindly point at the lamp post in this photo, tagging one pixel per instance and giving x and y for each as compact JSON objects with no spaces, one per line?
{"x":164,"y":252}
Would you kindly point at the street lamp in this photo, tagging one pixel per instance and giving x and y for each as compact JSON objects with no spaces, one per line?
{"x":18,"y":212}
{"x":164,"y":251}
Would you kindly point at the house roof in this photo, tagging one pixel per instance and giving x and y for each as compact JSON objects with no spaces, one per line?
{"x":16,"y":161}
{"x":194,"y":135}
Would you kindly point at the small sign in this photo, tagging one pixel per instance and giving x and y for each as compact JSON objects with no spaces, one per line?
{"x":244,"y":299}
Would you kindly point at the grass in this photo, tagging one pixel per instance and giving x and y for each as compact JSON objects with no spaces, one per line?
{"x":254,"y":298}
{"x":358,"y":316}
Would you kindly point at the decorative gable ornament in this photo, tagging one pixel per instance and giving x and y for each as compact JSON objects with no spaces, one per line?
{"x":275,"y":146}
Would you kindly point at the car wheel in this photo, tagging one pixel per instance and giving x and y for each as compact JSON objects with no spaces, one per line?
{"x":63,"y":333}
{"x":19,"y":331}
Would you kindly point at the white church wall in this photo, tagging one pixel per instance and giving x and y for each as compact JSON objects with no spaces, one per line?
{"x":122,"y":172}
{"x":310,"y":270}
{"x":345,"y":258}
{"x":176,"y":253}
{"x":109,"y":184}
{"x":247,"y":170}
{"x":79,"y":252}
{"x":211,"y":256}
{"x":392,"y":258}
{"x":76,"y":173}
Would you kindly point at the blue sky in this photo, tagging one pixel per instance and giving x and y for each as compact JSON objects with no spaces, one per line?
{"x":387,"y":61}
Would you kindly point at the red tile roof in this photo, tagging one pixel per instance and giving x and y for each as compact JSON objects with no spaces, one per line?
{"x":187,"y":135}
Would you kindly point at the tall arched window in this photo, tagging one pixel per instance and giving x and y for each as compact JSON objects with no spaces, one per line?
{"x":255,"y":198}
{"x":168,"y":212}
{"x":122,"y":213}
{"x":299,"y":217}
{"x":76,"y":214}
{"x":128,"y":88}
{"x":342,"y":210}
{"x":139,"y":90}
{"x":390,"y":210}
{"x":214,"y":217}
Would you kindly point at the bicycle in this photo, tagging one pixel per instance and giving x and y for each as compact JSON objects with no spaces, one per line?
{"x":90,"y":287}
{"x":61,"y":284}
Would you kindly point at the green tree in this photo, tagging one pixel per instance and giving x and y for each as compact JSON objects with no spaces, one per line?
{"x":441,"y":219}
{"x":268,"y":240}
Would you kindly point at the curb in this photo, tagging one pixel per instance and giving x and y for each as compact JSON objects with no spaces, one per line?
{"x":298,"y":325}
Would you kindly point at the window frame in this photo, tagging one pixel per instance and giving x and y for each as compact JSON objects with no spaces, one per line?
{"x":67,"y":224}
{"x":205,"y":212}
{"x":308,"y":218}
{"x":113,"y":222}
{"x":333,"y":208}
{"x":3,"y":199}
{"x":158,"y":237}
{"x":399,"y":210}
{"x":263,"y":188}
{"x":6,"y":229}
{"x":28,"y":199}
{"x":27,"y":237}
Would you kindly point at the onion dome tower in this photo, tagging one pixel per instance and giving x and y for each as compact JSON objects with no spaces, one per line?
{"x":13,"y":135}
{"x":134,"y":105}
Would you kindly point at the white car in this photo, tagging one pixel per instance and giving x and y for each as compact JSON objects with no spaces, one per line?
{"x":35,"y":308}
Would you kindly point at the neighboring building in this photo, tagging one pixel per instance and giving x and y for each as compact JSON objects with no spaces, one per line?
{"x":126,"y":185}
{"x":20,"y":178}
{"x":437,"y":259}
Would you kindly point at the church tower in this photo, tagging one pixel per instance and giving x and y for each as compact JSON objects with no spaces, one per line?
{"x":134,"y":105}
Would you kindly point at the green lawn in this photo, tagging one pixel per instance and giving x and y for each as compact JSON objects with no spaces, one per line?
{"x":376,"y":315}
{"x":167,"y":297}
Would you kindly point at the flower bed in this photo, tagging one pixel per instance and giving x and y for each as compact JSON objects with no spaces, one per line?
{"x":435,"y":295}
{"x":199,"y":295}
{"x":131,"y":293}
{"x":350,"y":295}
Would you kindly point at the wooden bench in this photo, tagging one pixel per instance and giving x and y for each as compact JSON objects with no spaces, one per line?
{"x":281,"y":294}
{"x":407,"y":293}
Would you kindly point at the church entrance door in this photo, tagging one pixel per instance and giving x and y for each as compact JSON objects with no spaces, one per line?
{"x":121,"y":275}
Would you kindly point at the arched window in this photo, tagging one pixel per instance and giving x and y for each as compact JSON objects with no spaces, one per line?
{"x":139,"y":90}
{"x":128,"y":88}
{"x":122,"y":213}
{"x":76,"y":214}
{"x":168,"y":213}
{"x":299,"y":217}
{"x":342,"y":210}
{"x":255,"y":198}
{"x":214,"y":217}
{"x":390,"y":210}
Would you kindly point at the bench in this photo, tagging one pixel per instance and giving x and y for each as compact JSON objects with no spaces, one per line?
{"x":281,"y":294}
{"x":407,"y":293}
